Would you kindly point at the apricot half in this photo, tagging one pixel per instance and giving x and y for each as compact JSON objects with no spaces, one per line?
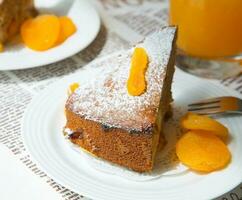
{"x":1,"y":47}
{"x":202,"y":151}
{"x":67,"y":28}
{"x":41,"y":33}
{"x":193,"y":121}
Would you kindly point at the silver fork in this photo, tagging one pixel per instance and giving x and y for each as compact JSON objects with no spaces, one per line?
{"x":218,"y":105}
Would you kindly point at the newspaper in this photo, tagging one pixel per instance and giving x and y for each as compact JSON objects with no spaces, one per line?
{"x":123,"y":23}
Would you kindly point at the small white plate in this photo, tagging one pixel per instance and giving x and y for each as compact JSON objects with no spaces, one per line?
{"x":42,"y":135}
{"x":85,"y":18}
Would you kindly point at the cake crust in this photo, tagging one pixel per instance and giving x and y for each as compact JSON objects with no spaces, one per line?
{"x":113,"y":144}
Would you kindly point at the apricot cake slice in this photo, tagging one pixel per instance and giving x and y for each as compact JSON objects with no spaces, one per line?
{"x":106,"y":120}
{"x":12,"y":15}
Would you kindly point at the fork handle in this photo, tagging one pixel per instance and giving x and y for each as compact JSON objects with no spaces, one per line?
{"x":234,"y":111}
{"x":240,"y":105}
{"x":239,"y":110}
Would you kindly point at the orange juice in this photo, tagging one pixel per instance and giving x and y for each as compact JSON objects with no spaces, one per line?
{"x":208,"y":28}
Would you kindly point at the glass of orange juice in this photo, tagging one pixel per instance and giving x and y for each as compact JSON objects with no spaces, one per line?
{"x":208,"y":29}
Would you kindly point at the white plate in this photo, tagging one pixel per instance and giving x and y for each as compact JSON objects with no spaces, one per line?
{"x":85,"y":18}
{"x":42,"y":134}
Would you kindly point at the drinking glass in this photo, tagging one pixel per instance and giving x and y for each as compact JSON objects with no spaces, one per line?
{"x":209,"y":35}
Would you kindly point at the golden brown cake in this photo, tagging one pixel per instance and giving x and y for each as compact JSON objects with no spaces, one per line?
{"x":106,"y":121}
{"x":12,"y":14}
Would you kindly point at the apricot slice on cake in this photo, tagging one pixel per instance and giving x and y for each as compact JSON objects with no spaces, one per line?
{"x":193,"y":121}
{"x":136,"y":84}
{"x":72,"y":88}
{"x":41,"y":33}
{"x":202,"y":151}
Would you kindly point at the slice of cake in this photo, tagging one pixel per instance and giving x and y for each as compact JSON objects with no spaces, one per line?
{"x":12,"y":14}
{"x":105,"y":120}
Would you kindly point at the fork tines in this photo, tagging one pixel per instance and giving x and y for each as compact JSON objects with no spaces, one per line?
{"x":204,"y":109}
{"x":214,"y":105}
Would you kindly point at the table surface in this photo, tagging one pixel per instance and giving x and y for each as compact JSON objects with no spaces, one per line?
{"x":124,"y":23}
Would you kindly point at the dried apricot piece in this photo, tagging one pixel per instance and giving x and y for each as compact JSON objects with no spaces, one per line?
{"x":41,"y":33}
{"x":193,"y":121}
{"x":1,"y":47}
{"x":202,"y":151}
{"x":136,"y":83}
{"x":72,"y":88}
{"x":67,"y":28}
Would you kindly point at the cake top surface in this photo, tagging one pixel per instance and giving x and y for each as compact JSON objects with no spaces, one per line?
{"x":105,"y":99}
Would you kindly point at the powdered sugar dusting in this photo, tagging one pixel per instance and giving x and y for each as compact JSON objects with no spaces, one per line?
{"x":105,"y":98}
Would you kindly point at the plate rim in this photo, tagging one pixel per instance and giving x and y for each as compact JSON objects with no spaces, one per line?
{"x":69,"y":77}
